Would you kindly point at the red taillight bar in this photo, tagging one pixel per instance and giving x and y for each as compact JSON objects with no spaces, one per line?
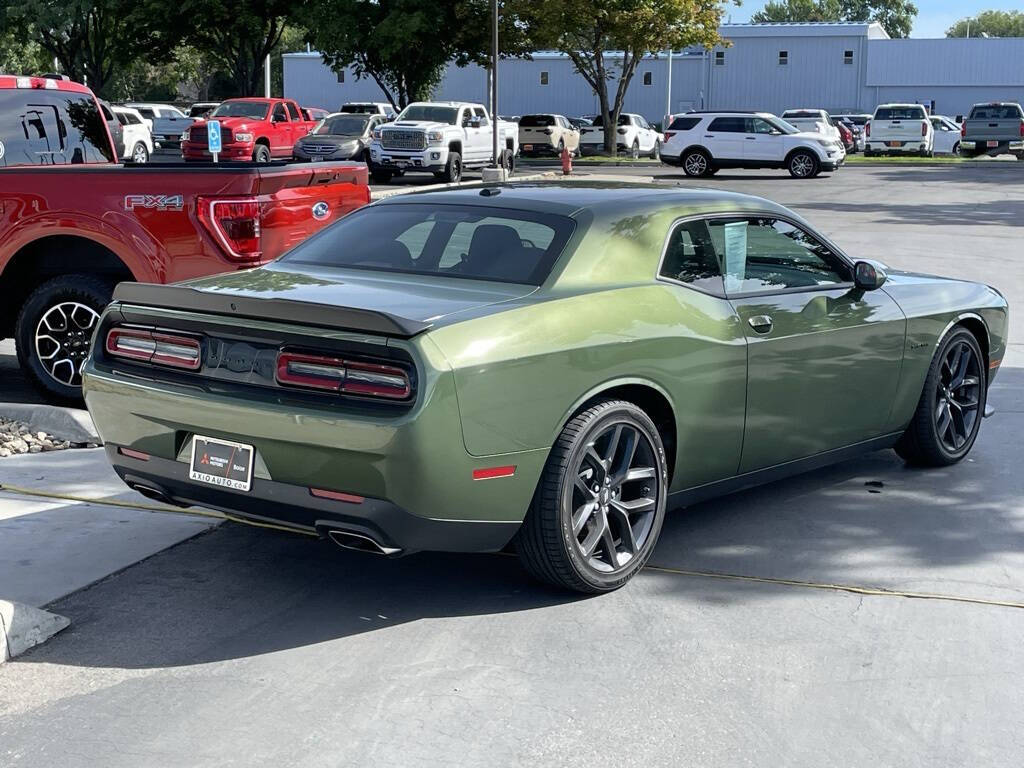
{"x":234,"y":224}
{"x":150,"y":346}
{"x":335,"y":374}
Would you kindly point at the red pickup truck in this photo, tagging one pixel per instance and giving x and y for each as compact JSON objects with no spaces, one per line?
{"x":260,"y":129}
{"x":73,"y":224}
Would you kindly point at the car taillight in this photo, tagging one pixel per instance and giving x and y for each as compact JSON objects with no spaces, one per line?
{"x":154,"y":346}
{"x":668,"y":135}
{"x":350,"y":377}
{"x":924,"y":128}
{"x":867,"y":129}
{"x":235,"y":224}
{"x":1022,"y":129}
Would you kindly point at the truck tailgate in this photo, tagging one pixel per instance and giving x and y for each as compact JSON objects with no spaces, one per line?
{"x":994,"y":130}
{"x":298,"y":200}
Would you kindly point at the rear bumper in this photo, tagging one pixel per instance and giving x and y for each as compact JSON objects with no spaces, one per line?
{"x":982,"y":146}
{"x":905,"y":147}
{"x":293,"y":506}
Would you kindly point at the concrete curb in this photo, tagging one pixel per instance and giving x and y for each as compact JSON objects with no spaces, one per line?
{"x":381,"y":194}
{"x":22,"y":627}
{"x":72,"y":424}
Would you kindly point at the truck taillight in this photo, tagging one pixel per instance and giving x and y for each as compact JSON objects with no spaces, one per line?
{"x":867,"y":129}
{"x":235,"y":224}
{"x":963,"y":129}
{"x":1022,"y":129}
{"x":924,"y":128}
{"x":350,"y":377}
{"x":154,"y":346}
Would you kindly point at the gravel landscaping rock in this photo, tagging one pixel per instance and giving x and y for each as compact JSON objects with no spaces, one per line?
{"x":16,"y":438}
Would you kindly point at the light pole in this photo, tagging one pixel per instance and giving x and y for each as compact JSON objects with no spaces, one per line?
{"x":668,"y":91}
{"x":494,"y":83}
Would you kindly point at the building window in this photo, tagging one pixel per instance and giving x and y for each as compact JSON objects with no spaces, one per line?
{"x":719,"y":58}
{"x":341,"y":76}
{"x":847,"y":57}
{"x":543,"y":78}
{"x":647,"y":78}
{"x":783,"y":58}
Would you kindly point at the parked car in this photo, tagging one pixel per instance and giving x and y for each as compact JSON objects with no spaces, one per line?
{"x":547,"y":134}
{"x":855,"y":128}
{"x":369,"y":108}
{"x":554,"y":366}
{"x":114,"y":126}
{"x":846,"y":136}
{"x":251,"y":128}
{"x":993,"y":129}
{"x":168,"y":123}
{"x":70,"y":233}
{"x":580,"y":122}
{"x":704,"y":142}
{"x":634,"y":136}
{"x":812,"y":121}
{"x":202,"y":108}
{"x":947,"y":135}
{"x":314,"y":113}
{"x":899,"y":129}
{"x":341,"y":136}
{"x":443,"y":138}
{"x":138,"y":138}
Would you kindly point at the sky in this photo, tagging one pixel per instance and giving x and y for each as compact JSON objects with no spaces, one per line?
{"x":934,"y":17}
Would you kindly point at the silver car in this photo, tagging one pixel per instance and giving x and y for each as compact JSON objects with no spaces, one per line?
{"x":339,"y":136}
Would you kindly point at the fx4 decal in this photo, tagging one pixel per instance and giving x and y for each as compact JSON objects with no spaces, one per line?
{"x":154,"y":202}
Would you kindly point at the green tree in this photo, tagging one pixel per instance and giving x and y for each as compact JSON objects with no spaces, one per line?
{"x":405,"y":45}
{"x":587,"y":30}
{"x":235,"y":37}
{"x":991,"y":23}
{"x":21,"y":55}
{"x":895,"y":16}
{"x":91,"y":39}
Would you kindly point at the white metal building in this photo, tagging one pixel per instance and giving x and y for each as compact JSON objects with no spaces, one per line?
{"x":773,"y":67}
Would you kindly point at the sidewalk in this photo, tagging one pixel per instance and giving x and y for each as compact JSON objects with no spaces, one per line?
{"x":50,"y":548}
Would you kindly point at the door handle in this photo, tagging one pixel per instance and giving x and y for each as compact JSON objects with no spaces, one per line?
{"x":761,"y":323}
{"x":751,"y":138}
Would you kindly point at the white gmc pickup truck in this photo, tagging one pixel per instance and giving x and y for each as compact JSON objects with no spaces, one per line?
{"x":442,"y":138}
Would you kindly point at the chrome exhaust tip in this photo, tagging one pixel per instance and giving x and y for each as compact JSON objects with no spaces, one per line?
{"x":361,"y":543}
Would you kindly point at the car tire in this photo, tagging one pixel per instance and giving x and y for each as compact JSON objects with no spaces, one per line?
{"x":453,"y":168}
{"x":868,"y":153}
{"x":381,"y":177}
{"x":634,"y":151}
{"x":508,"y":161}
{"x":261,"y":154}
{"x":596,"y":542}
{"x":697,"y":163}
{"x":54,"y":330}
{"x":656,"y":151}
{"x":803,"y":164}
{"x":955,"y":151}
{"x":561,"y":147}
{"x":948,"y":416}
{"x":140,"y":154}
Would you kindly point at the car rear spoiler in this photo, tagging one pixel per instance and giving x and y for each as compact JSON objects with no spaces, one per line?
{"x":283,"y":310}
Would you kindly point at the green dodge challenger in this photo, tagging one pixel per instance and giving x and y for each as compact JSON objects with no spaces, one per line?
{"x":553,"y":365}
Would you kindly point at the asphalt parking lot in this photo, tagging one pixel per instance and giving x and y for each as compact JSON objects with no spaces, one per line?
{"x":244,"y":647}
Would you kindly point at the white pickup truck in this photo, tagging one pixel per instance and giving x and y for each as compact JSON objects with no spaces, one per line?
{"x":813,"y":121}
{"x":443,"y":138}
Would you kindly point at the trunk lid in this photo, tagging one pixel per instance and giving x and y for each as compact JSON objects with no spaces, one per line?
{"x":396,"y":304}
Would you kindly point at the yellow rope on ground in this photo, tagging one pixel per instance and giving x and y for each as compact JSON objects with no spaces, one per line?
{"x":148,"y":508}
{"x":857,"y":590}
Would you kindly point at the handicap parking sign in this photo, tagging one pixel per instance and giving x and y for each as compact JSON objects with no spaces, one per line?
{"x":213,"y":136}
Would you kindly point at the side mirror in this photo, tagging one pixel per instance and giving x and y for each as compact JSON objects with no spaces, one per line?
{"x":868,"y":276}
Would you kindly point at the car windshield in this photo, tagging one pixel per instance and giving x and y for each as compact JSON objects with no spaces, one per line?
{"x":254,"y":109}
{"x":536,"y":121}
{"x":430,"y":114}
{"x":342,"y":125}
{"x":900,"y":113}
{"x":457,"y":241}
{"x":996,"y":112}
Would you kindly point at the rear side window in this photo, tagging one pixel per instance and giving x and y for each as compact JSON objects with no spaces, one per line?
{"x":40,"y":127}
{"x":683,"y":123}
{"x":457,"y":241}
{"x":996,"y":112}
{"x":690,"y":258}
{"x":728,"y":125}
{"x":293,"y":111}
{"x":900,"y":113}
{"x":536,"y":121}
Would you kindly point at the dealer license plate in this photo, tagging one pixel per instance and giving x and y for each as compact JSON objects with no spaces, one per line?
{"x":528,"y":147}
{"x":992,"y":144}
{"x":221,"y":462}
{"x":895,"y":143}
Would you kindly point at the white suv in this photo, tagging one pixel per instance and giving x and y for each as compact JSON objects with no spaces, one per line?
{"x":897,"y":129}
{"x":704,"y":142}
{"x":634,"y":135}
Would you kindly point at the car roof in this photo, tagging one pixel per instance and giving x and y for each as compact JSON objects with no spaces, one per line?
{"x":41,"y":83}
{"x":606,"y":199}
